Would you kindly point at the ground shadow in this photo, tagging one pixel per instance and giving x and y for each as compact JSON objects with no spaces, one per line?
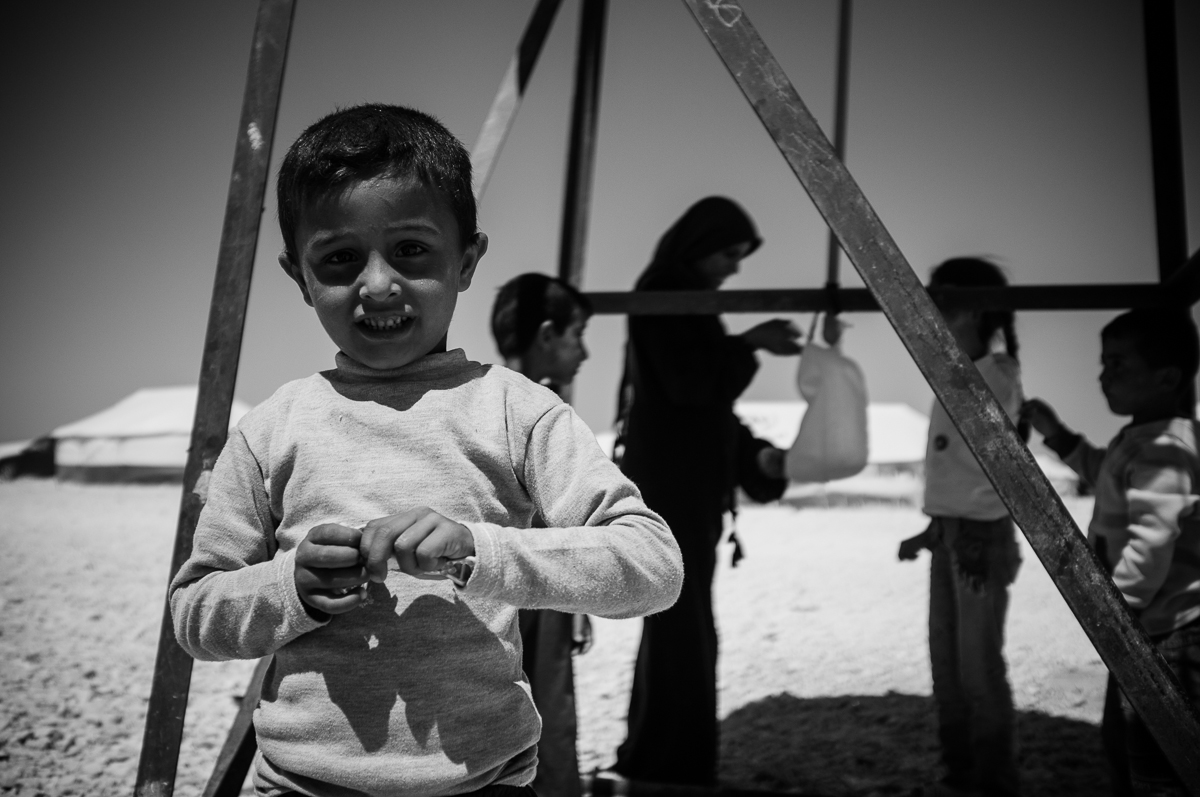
{"x":860,"y":745}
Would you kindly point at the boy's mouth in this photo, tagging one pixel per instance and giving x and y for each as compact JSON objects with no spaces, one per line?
{"x":389,"y":323}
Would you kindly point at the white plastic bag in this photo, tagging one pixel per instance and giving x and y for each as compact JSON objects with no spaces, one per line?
{"x":832,"y":442}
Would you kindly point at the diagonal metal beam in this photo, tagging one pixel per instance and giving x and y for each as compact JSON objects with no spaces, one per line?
{"x":233,"y":762}
{"x":504,"y":108}
{"x":218,"y":373}
{"x":1036,"y":507}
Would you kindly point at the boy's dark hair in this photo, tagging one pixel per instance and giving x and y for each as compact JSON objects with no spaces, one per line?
{"x":524,"y":303}
{"x":1164,"y":337}
{"x":979,"y":272}
{"x":368,"y":141}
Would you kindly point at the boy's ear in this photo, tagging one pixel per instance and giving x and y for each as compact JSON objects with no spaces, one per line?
{"x":476,"y":249}
{"x":546,"y":333}
{"x":1170,"y":377}
{"x":297,"y":274}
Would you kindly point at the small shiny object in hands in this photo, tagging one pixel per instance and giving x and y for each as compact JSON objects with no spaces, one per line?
{"x":457,"y":570}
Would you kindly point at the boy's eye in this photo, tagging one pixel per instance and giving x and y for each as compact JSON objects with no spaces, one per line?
{"x":409,"y":249}
{"x":341,"y":258}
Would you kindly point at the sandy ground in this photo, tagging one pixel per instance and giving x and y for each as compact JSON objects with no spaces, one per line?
{"x":824,"y":672}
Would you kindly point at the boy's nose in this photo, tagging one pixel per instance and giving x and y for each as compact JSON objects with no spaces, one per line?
{"x":379,"y":280}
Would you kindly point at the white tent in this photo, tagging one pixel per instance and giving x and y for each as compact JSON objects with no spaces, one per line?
{"x":895,"y":432}
{"x":143,"y":437}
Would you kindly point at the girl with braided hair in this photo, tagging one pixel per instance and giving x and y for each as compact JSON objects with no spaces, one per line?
{"x":975,"y":558}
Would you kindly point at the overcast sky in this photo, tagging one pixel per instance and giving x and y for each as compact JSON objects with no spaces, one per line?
{"x":1012,"y":129}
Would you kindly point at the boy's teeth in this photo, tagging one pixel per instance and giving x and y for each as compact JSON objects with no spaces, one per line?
{"x":391,"y":322}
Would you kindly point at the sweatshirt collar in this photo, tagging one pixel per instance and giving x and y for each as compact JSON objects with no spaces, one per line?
{"x":428,"y":367}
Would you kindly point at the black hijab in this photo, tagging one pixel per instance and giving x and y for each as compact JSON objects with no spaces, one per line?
{"x":708,"y":226}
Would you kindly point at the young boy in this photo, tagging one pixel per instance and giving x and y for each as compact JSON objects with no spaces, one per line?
{"x":538,"y":323}
{"x":1146,"y":525}
{"x":371,"y":526}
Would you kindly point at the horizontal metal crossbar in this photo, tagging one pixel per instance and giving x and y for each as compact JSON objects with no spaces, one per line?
{"x":859,"y":300}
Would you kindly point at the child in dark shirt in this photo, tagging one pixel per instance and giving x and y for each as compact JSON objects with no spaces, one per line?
{"x":538,"y":323}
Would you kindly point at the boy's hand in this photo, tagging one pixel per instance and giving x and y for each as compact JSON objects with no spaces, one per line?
{"x":778,"y":336}
{"x":914,"y":545}
{"x":329,"y":575}
{"x":1042,"y":417}
{"x":420,"y":540}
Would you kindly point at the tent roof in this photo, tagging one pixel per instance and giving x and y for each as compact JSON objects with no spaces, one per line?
{"x":146,"y":413}
{"x":14,"y":448}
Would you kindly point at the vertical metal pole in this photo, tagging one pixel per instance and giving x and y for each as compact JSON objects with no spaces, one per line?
{"x":218,"y":373}
{"x":512,"y":90}
{"x":1166,"y":146}
{"x":839,"y":123}
{"x":581,"y":152}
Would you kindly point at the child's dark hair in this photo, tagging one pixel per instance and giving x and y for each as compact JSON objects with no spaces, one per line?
{"x":524,"y":303}
{"x":978,"y":272}
{"x":1165,"y":337}
{"x":368,"y":141}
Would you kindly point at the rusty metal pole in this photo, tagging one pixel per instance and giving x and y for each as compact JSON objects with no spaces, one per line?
{"x":840,"y":100}
{"x":218,"y":373}
{"x":1166,"y":144}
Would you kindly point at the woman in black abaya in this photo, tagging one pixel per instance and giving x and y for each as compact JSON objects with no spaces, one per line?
{"x":687,"y":452}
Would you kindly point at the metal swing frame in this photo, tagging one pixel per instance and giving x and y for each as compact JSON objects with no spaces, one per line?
{"x":891,"y":287}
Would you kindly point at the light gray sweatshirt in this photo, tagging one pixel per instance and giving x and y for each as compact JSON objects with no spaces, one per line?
{"x":419,"y":691}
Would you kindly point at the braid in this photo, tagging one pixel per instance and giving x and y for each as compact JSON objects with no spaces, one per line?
{"x":972,"y":272}
{"x":1010,"y":335}
{"x":1024,"y":428}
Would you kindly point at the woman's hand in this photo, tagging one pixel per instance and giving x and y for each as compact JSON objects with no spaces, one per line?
{"x":778,"y":336}
{"x":772,"y":462}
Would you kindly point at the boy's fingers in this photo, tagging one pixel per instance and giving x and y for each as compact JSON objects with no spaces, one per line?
{"x":337,"y":601}
{"x":379,"y":537}
{"x":334,"y":579}
{"x":334,"y":534}
{"x":326,"y":556}
{"x":406,"y":545}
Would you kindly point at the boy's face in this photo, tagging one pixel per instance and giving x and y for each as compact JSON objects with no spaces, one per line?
{"x":1129,"y":383}
{"x":566,"y":352}
{"x":382,"y":263}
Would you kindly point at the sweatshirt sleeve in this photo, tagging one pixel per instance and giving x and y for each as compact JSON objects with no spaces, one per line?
{"x":235,"y":597}
{"x":1158,"y":491}
{"x":604,"y":552}
{"x":1080,"y":456}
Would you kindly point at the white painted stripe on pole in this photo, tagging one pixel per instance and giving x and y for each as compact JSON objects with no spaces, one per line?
{"x":495,"y":129}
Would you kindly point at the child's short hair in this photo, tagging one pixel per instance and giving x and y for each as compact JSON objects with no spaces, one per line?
{"x":1164,"y":337}
{"x":980,"y":272}
{"x":368,"y":141}
{"x":524,"y":303}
